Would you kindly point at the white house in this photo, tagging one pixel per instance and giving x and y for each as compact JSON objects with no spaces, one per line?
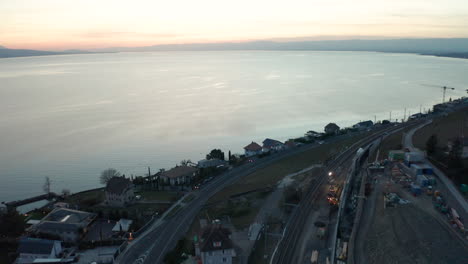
{"x":179,"y":175}
{"x":252,"y":149}
{"x":69,"y":225}
{"x":30,"y":249}
{"x":119,"y":192}
{"x":272,"y":145}
{"x":215,"y":245}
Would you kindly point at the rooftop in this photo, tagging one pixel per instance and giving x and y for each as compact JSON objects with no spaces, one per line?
{"x":179,"y":171}
{"x":35,"y":246}
{"x":253,"y":147}
{"x":118,"y":185}
{"x":215,"y":238}
{"x":268,"y":143}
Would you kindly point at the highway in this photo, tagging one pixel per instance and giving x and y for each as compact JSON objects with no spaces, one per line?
{"x":289,"y":248}
{"x":152,"y":246}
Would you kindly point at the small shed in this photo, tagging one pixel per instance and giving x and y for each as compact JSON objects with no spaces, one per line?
{"x":396,"y":155}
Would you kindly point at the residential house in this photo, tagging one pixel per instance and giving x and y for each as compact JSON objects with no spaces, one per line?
{"x":119,"y":192}
{"x":30,"y":249}
{"x":252,"y":149}
{"x":67,"y":224}
{"x":290,"y":144}
{"x":272,"y":145}
{"x":464,"y":142}
{"x":313,"y":135}
{"x":179,"y":175}
{"x":215,"y":245}
{"x":363,"y":125}
{"x":212,"y":163}
{"x":332,"y":129}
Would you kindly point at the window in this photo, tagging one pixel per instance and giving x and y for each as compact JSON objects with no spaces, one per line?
{"x":217,"y":244}
{"x":224,"y":259}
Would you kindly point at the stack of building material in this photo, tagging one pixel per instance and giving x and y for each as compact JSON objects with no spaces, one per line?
{"x":422,"y":181}
{"x":415,"y":189}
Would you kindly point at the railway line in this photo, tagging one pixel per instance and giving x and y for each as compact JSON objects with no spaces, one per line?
{"x":286,"y":249}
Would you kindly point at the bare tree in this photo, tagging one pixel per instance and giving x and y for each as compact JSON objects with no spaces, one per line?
{"x":108,"y":174}
{"x":46,"y":186}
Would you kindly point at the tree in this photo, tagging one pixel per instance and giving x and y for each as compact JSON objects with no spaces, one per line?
{"x":12,"y":224}
{"x":431,"y":144}
{"x":185,"y":162}
{"x":46,"y":186}
{"x":108,"y":174}
{"x":455,"y":153}
{"x":215,"y":154}
{"x":66,"y":192}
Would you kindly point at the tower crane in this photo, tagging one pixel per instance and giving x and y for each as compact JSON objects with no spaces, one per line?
{"x":444,"y":89}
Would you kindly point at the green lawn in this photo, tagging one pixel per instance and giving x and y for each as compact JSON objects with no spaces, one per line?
{"x":272,"y":174}
{"x":392,"y":142}
{"x":158,"y":196}
{"x":445,"y":127}
{"x":87,"y":199}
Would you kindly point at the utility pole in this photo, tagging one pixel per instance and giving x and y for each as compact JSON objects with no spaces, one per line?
{"x":375,"y":119}
{"x":404,"y":116}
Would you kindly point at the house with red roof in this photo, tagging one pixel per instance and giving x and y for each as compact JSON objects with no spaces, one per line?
{"x":252,"y":149}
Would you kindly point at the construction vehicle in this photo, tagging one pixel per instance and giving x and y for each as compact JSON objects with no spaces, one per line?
{"x":429,"y":191}
{"x":321,"y":227}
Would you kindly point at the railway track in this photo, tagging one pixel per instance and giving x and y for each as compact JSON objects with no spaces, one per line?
{"x":286,"y":248}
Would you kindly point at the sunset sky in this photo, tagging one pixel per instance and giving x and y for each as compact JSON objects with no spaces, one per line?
{"x":70,"y":24}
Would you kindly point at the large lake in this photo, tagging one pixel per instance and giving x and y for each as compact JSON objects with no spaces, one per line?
{"x":70,"y":117}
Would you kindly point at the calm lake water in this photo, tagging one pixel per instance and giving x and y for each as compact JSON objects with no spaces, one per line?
{"x":70,"y":117}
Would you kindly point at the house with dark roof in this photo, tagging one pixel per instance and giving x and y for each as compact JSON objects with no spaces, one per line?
{"x":332,"y":129}
{"x":252,"y":149}
{"x":364,"y":124}
{"x":215,"y":245}
{"x":179,"y":175}
{"x":119,"y":192}
{"x":67,"y":224}
{"x":30,"y":249}
{"x":290,"y":144}
{"x":272,"y":145}
{"x":313,"y":135}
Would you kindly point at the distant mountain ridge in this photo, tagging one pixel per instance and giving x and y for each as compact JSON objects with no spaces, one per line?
{"x":439,"y":45}
{"x":447,"y":47}
{"x":9,"y":53}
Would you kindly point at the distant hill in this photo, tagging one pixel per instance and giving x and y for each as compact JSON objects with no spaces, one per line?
{"x":9,"y":53}
{"x":426,"y":46}
{"x":446,"y":47}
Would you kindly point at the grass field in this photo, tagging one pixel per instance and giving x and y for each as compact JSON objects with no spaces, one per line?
{"x":445,"y":127}
{"x":96,"y":196}
{"x":158,"y":196}
{"x":270,"y":175}
{"x":392,"y":142}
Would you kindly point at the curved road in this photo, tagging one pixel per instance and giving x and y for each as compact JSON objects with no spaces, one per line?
{"x":161,"y":237}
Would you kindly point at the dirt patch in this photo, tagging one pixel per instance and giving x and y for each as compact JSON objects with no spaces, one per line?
{"x":406,"y":234}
